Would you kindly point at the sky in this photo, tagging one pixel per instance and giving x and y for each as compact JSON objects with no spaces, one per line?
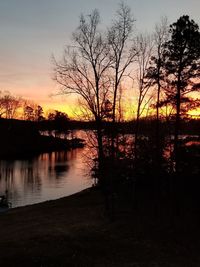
{"x":31,"y":31}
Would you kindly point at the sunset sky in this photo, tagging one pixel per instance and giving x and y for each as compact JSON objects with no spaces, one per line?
{"x":32,"y":30}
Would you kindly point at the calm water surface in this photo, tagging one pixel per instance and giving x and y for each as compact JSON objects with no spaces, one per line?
{"x":47,"y":176}
{"x":50,"y":175}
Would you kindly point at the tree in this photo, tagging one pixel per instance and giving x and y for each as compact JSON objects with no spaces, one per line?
{"x":60,"y":123}
{"x":39,"y":113}
{"x":9,"y":105}
{"x":122,"y":51}
{"x":28,"y":113}
{"x":57,"y":122}
{"x":156,"y":73}
{"x":32,"y":111}
{"x":182,"y":66}
{"x":144,"y":83}
{"x":2,"y":109}
{"x":156,"y":70}
{"x":83,"y":69}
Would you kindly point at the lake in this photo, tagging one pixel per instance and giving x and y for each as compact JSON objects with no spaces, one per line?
{"x":57,"y":174}
{"x":46,"y":176}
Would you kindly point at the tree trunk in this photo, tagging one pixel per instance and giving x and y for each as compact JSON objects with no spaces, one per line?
{"x":177,"y":129}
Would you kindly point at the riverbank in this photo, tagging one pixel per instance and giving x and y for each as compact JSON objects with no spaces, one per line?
{"x":22,"y":139}
{"x":75,"y":231}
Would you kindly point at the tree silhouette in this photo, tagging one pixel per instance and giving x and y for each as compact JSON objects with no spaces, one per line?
{"x":143,"y":82}
{"x":156,"y":71}
{"x":9,"y":105}
{"x":122,"y":50}
{"x":39,"y":113}
{"x":28,"y":113}
{"x":32,"y":112}
{"x":182,"y":69}
{"x":58,"y":121}
{"x":83,"y":69}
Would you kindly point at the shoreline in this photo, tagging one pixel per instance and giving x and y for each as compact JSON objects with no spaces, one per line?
{"x":46,"y":201}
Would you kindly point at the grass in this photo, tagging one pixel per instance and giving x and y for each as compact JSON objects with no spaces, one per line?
{"x":75,"y":231}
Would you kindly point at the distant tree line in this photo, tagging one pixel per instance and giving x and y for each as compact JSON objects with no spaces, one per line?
{"x":14,"y":107}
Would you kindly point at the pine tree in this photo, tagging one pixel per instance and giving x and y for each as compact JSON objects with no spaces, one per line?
{"x":182,"y":67}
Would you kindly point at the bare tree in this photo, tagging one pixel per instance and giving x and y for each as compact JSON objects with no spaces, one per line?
{"x":120,"y":107}
{"x":157,"y":74}
{"x":9,"y":105}
{"x":2,"y":109}
{"x":122,"y":54}
{"x":122,"y":51}
{"x":161,"y":36}
{"x":32,"y":111}
{"x":144,"y":83}
{"x":83,"y":70}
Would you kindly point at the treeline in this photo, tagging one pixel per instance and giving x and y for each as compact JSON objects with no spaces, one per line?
{"x":63,"y":124}
{"x":23,"y":138}
{"x":14,"y":107}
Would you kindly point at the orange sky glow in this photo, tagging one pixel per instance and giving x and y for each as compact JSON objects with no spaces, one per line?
{"x":32,"y":31}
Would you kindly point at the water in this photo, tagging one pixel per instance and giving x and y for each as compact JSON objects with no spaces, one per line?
{"x":45,"y":177}
{"x":57,"y":174}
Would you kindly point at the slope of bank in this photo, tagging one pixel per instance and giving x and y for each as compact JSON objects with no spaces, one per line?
{"x":75,"y":231}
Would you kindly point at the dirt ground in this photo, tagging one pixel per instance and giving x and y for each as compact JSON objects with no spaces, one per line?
{"x":76,"y":231}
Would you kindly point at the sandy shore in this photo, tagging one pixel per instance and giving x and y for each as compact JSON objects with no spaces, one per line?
{"x":74,"y":231}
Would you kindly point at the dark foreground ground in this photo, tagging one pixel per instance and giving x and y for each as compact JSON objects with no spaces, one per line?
{"x":75,"y":231}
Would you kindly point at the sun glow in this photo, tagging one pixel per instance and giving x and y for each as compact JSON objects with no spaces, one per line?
{"x":195,"y":113}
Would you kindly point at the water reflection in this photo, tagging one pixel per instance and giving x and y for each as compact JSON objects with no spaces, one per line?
{"x":57,"y":174}
{"x":48,"y":176}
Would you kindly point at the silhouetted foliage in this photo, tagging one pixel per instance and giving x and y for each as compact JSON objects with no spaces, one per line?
{"x":182,"y":69}
{"x":9,"y":105}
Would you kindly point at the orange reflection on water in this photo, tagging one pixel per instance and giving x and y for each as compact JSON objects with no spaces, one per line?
{"x":48,"y":176}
